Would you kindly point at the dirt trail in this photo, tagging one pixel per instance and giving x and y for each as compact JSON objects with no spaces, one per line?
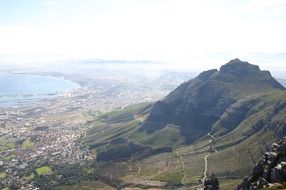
{"x":183,"y":167}
{"x":235,"y":153}
{"x":206,"y":166}
{"x":139,"y":170}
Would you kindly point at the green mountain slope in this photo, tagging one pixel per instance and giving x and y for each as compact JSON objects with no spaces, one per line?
{"x":198,"y":104}
{"x":240,"y":109}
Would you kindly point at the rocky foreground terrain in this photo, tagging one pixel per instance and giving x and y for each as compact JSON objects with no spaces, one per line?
{"x":270,"y":170}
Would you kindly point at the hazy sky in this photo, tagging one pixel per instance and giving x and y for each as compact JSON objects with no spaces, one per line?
{"x":195,"y":33}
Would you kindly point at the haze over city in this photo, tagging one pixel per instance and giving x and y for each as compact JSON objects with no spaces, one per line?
{"x":185,"y":33}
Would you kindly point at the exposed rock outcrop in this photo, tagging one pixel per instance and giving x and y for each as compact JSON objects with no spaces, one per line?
{"x":211,"y":183}
{"x":269,"y":171}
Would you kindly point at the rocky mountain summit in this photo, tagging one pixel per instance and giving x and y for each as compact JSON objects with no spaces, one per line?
{"x":270,"y":170}
{"x":215,"y":97}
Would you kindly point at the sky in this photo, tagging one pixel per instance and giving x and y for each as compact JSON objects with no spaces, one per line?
{"x":196,"y":34}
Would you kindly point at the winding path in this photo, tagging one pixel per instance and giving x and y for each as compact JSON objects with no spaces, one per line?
{"x":206,"y":166}
{"x":139,"y":170}
{"x":235,"y":153}
{"x":183,"y":167}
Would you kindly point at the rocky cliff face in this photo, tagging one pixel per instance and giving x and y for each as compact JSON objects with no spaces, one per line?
{"x":270,"y":170}
{"x":197,"y":105}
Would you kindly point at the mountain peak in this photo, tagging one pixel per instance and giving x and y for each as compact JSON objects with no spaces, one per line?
{"x":198,"y":104}
{"x":238,"y":67}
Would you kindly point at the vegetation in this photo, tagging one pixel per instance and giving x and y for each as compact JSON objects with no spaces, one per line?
{"x":6,"y":145}
{"x":85,"y":185}
{"x":226,"y":184}
{"x":44,"y":170}
{"x":173,"y":179}
{"x":28,"y":144}
{"x":2,"y":175}
{"x":9,"y":156}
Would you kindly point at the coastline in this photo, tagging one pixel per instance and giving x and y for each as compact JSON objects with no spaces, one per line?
{"x":25,"y":99}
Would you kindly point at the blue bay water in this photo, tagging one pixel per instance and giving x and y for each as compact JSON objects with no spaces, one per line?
{"x":24,"y":88}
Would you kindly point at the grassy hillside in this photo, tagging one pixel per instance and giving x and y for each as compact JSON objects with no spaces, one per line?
{"x":221,"y":122}
{"x":238,"y":147}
